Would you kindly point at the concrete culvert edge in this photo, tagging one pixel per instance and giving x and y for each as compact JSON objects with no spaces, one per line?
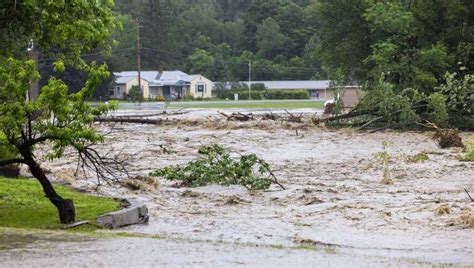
{"x":135,"y":213}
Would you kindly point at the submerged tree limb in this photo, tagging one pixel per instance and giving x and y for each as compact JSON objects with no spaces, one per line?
{"x":472,"y":200}
{"x":129,"y":120}
{"x":163,"y":113}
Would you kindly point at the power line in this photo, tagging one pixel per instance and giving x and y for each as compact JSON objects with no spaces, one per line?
{"x":114,"y":52}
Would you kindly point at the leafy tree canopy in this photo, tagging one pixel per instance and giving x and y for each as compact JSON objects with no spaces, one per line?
{"x":64,"y":31}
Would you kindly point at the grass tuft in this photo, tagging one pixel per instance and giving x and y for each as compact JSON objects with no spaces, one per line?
{"x":23,"y":205}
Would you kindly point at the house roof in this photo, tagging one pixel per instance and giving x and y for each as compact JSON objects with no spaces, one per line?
{"x":155,"y":78}
{"x":124,"y":79}
{"x":149,"y":76}
{"x":189,"y":78}
{"x":171,"y":75}
{"x":303,"y":84}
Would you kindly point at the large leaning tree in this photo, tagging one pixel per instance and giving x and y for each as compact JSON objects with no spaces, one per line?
{"x":56,"y":120}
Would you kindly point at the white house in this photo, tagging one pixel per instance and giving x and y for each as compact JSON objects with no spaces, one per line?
{"x":170,"y":85}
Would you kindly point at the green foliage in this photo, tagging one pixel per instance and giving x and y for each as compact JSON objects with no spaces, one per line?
{"x":420,"y":157}
{"x":390,"y":17}
{"x":459,"y":93}
{"x":22,"y":205}
{"x":201,"y":62}
{"x":258,"y":86}
{"x":72,"y":26}
{"x":135,"y":94}
{"x":213,"y":38}
{"x":286,"y":95}
{"x":413,"y":43}
{"x":437,"y":112}
{"x":342,"y":34}
{"x":384,"y":158}
{"x":267,"y":94}
{"x":63,"y":119}
{"x":470,"y":149}
{"x":216,"y":166}
{"x":270,"y":39}
{"x":7,"y":151}
{"x":383,"y":102}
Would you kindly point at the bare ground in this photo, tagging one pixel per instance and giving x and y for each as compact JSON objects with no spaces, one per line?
{"x":335,"y":197}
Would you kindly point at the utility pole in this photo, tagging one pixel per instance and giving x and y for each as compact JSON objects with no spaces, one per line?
{"x":138,"y":55}
{"x":250,"y":79}
{"x":33,"y":92}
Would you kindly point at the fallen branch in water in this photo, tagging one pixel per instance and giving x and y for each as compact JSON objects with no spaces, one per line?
{"x":472,"y":200}
{"x":164,"y":113}
{"x":294,"y":118}
{"x":237,"y":116}
{"x":270,"y":116}
{"x":446,"y":137}
{"x":129,"y":120}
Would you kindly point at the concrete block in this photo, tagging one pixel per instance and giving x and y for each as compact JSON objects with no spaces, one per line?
{"x":135,"y":213}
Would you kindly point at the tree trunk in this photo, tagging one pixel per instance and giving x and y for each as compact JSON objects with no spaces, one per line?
{"x":67,"y":212}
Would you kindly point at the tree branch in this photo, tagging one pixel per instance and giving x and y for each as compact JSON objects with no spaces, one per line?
{"x":32,"y":142}
{"x":11,"y":161}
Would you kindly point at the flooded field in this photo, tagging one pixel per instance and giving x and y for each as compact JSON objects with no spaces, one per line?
{"x":335,"y":201}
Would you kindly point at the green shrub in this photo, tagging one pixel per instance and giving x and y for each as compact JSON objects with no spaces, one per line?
{"x":135,"y":94}
{"x":437,"y":112}
{"x":286,"y":95}
{"x":258,"y":86}
{"x":268,"y":94}
{"x":243,"y":94}
{"x":459,"y":94}
{"x":215,"y":165}
{"x":470,"y":150}
{"x":391,"y":107}
{"x":420,"y":157}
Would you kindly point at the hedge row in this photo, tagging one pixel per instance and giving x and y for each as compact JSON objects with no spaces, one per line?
{"x":268,"y":94}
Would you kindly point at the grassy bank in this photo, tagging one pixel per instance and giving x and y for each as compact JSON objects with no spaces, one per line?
{"x":23,"y":205}
{"x":223,"y":104}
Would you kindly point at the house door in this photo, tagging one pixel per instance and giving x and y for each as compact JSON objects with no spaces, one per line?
{"x":167,"y":92}
{"x":118,"y":93}
{"x":179,"y":93}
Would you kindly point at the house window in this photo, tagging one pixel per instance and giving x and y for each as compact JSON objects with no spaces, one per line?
{"x":200,"y":88}
{"x":111,"y":92}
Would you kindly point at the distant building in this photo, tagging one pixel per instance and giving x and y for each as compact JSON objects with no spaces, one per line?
{"x":317,"y":89}
{"x":170,"y":85}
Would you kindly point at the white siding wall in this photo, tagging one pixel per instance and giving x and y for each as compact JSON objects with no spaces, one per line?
{"x":205,"y":84}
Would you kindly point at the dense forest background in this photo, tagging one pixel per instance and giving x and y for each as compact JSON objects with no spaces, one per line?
{"x":298,"y":39}
{"x":218,"y":38}
{"x":408,"y":54}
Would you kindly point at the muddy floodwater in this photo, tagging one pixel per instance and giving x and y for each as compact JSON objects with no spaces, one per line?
{"x":336,"y":210}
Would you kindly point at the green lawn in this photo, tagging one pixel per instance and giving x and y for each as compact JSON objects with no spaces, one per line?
{"x":252,"y":105}
{"x":23,"y":205}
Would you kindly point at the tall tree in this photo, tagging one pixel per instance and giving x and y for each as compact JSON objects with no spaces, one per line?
{"x":270,"y":39}
{"x":411,"y":43}
{"x":201,"y":62}
{"x":344,"y":35}
{"x":63,"y":30}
